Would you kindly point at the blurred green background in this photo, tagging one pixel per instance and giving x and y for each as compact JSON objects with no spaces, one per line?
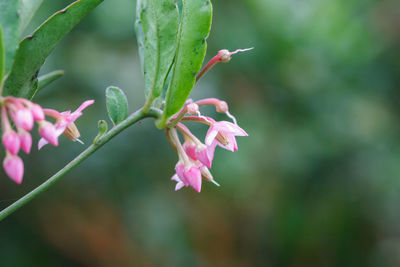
{"x":316,"y":183}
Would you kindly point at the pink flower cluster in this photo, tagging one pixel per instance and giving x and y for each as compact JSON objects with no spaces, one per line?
{"x":195,"y":157}
{"x":24,"y":114}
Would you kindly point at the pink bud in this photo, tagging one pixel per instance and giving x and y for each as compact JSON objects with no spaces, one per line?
{"x":14,"y":168}
{"x":23,"y":119}
{"x":11,"y":142}
{"x":48,"y":132}
{"x":224,"y":55}
{"x":192,"y":108}
{"x":26,"y":141}
{"x":37,"y":112}
{"x":222,"y":106}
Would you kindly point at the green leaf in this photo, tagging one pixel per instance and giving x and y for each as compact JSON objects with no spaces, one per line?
{"x":27,"y":8}
{"x":156,"y":27}
{"x":34,"y":49}
{"x":14,"y":17}
{"x":117,"y":104}
{"x":103,"y":127}
{"x":191,"y":48}
{"x":2,"y":57}
{"x":48,"y":78}
{"x":9,"y":21}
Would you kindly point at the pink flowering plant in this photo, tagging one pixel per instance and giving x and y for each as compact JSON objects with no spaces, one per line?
{"x":172,"y":47}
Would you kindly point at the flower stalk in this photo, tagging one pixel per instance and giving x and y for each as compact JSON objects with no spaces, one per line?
{"x":132,"y":119}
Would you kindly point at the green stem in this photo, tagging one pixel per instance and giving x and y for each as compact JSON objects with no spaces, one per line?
{"x":132,"y":119}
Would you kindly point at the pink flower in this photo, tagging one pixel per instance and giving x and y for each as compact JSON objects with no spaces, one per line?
{"x":65,"y":121}
{"x":187,"y":175}
{"x":14,"y":167}
{"x":222,"y":133}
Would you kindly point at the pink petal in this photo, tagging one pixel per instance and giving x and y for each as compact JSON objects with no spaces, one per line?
{"x":83,"y":106}
{"x":180,"y":169}
{"x":193,"y":175}
{"x":190,"y":149}
{"x":205,"y":157}
{"x":42,"y":143}
{"x":49,"y":133}
{"x":179,"y":184}
{"x":211,"y":134}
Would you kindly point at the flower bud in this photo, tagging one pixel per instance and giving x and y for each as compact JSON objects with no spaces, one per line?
{"x":14,"y":168}
{"x":48,"y":132}
{"x":224,"y":55}
{"x":25,"y":139}
{"x":23,"y":119}
{"x":11,"y":142}
{"x":37,"y":112}
{"x":221,"y":106}
{"x":192,"y":108}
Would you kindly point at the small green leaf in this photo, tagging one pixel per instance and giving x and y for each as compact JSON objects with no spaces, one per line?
{"x":34,"y":49}
{"x":156,"y":27}
{"x":117,"y":104}
{"x":191,"y":48}
{"x":103,"y":127}
{"x":48,"y":78}
{"x":2,"y":57}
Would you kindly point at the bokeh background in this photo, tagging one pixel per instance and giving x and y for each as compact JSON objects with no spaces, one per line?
{"x":316,"y":183}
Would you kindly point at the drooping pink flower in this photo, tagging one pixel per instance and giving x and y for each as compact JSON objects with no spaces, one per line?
{"x":187,"y":175}
{"x":64,"y":120}
{"x":222,"y":133}
{"x":14,"y":167}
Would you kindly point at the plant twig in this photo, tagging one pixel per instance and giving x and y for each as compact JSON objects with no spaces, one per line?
{"x":132,"y":119}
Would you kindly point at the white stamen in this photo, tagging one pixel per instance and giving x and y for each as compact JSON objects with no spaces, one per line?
{"x":214,"y":182}
{"x":231,"y":117}
{"x":241,"y":50}
{"x":79,"y":141}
